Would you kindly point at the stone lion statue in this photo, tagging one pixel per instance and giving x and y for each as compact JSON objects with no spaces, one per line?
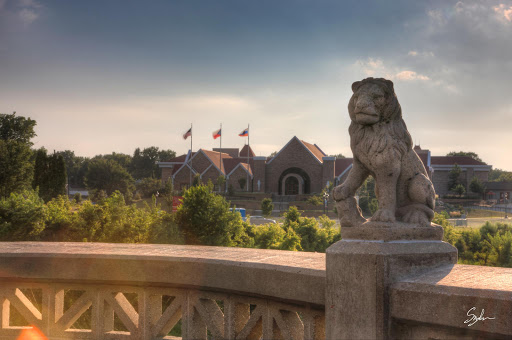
{"x":382,"y":147}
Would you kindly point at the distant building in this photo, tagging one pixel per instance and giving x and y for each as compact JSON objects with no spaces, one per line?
{"x":439,"y":168}
{"x":298,"y":168}
{"x":498,"y":191}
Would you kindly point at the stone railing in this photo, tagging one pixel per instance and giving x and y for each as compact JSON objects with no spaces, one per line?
{"x":121,"y":291}
{"x":370,"y":290}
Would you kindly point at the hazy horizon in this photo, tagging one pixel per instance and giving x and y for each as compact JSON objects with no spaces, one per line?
{"x":102,"y":77}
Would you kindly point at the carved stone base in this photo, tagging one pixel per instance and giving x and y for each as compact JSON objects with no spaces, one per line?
{"x":387,"y":231}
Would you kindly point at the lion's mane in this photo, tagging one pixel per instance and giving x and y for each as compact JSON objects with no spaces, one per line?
{"x":391,"y":127}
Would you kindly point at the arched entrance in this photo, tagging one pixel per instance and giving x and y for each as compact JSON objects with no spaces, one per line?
{"x":293,"y":181}
{"x":291,"y":185}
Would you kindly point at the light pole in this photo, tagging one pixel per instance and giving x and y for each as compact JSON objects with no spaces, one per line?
{"x":326,"y":197}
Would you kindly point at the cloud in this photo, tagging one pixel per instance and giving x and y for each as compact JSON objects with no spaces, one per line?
{"x":413,"y":53}
{"x":29,"y":4}
{"x":504,"y":12}
{"x":28,"y":16}
{"x":410,"y":75}
{"x":376,"y":68}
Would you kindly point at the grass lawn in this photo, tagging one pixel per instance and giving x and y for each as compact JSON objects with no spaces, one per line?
{"x":478,"y":213}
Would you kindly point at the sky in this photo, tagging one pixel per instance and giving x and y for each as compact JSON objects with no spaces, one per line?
{"x":113,"y":75}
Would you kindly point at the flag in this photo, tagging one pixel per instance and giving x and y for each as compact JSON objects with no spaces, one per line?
{"x":244,"y":133}
{"x":216,"y":133}
{"x":187,"y":134}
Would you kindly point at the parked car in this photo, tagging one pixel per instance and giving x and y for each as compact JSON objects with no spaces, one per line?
{"x":257,"y":220}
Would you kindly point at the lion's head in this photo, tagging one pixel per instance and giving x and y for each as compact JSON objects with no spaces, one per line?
{"x":374,"y":100}
{"x":376,"y":113}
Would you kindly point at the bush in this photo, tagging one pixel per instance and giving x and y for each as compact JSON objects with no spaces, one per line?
{"x":148,"y":186}
{"x":22,"y":217}
{"x":205,"y":219}
{"x":77,"y":198}
{"x":267,"y":206}
{"x":315,"y":200}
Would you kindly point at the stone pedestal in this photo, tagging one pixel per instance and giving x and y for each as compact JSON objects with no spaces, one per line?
{"x":361,"y":268}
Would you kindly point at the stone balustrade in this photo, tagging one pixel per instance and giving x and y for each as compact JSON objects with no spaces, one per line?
{"x":127,"y":291}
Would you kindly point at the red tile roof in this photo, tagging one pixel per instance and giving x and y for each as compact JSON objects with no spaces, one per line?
{"x":451,"y":160}
{"x":230,"y":164}
{"x":315,"y":150}
{"x":179,"y":159}
{"x":215,"y":158}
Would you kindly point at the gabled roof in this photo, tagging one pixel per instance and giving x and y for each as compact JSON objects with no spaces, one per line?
{"x":451,"y":160}
{"x":243,"y":152}
{"x":231,"y":163}
{"x":315,"y":150}
{"x":215,"y":158}
{"x":244,"y":166}
{"x":311,"y":148}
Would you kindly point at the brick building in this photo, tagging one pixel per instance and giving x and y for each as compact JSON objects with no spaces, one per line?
{"x":298,"y":168}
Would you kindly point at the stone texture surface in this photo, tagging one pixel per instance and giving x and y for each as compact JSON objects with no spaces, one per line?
{"x":289,"y":276}
{"x":443,"y":297}
{"x":359,"y":274}
{"x":382,"y":147}
{"x":387,"y":231}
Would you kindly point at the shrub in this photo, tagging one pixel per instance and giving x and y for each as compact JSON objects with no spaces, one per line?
{"x":205,"y":219}
{"x":315,"y":200}
{"x":22,"y":216}
{"x":267,"y":206}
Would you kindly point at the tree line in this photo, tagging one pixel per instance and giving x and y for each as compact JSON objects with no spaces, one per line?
{"x":22,"y":167}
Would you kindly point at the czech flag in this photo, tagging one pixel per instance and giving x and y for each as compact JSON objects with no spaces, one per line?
{"x":244,"y":133}
{"x":216,"y":134}
{"x":187,"y":134}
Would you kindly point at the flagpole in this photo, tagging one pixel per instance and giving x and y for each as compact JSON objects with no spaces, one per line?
{"x":190,"y":160}
{"x":248,"y":148}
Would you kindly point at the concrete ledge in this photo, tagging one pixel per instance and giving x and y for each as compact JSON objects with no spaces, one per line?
{"x":281,"y":275}
{"x":439,"y":302}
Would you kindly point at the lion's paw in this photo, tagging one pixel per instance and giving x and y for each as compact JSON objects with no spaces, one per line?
{"x":416,"y":217}
{"x":384,"y":215}
{"x":340,"y":193}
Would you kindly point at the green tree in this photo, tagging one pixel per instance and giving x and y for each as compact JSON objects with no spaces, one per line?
{"x":221,"y":181}
{"x":459,"y":189}
{"x":49,"y":175}
{"x":465,"y":153}
{"x":122,"y":159}
{"x":338,"y":156}
{"x":267,"y":206}
{"x":454,"y":177}
{"x":205,"y":218}
{"x":15,"y":154}
{"x":498,"y":175}
{"x":477,"y":186}
{"x":22,"y":216}
{"x":144,"y":163}
{"x":76,"y":167}
{"x":148,"y":186}
{"x":109,"y":176}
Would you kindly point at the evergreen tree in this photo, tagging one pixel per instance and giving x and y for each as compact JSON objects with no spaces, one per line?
{"x":49,"y":175}
{"x":454,"y":177}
